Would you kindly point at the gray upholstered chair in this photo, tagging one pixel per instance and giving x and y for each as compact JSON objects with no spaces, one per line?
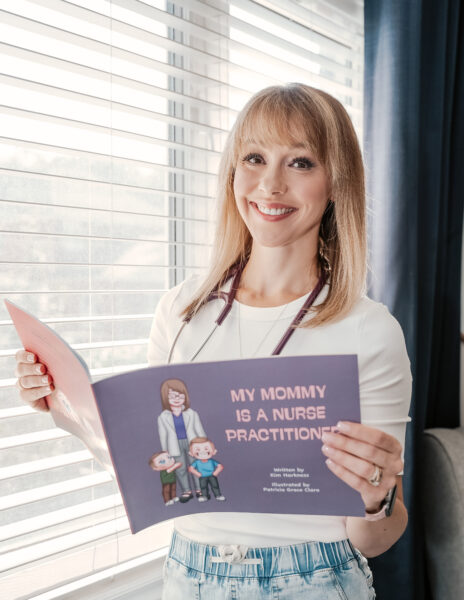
{"x":443,"y":510}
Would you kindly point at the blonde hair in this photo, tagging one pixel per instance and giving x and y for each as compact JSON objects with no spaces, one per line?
{"x":200,"y":440}
{"x":293,"y":114}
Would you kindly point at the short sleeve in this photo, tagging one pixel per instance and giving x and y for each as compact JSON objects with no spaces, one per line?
{"x":167,"y":320}
{"x":160,"y":342}
{"x":384,"y":373}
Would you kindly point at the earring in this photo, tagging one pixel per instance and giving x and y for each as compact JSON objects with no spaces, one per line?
{"x":323,"y":256}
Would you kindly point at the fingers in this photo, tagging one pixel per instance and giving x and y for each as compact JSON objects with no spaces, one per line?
{"x":370,"y":435}
{"x":35,"y":396}
{"x":25,"y":356}
{"x":353,"y":455}
{"x":34,"y":383}
{"x":371,"y":454}
{"x":370,"y":494}
{"x":362,"y":469}
{"x":23,"y":369}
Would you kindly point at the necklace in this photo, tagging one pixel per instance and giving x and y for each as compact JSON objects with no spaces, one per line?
{"x":266,"y":335}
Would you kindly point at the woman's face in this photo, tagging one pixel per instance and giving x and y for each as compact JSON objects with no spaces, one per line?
{"x":281,"y":193}
{"x":175,"y":399}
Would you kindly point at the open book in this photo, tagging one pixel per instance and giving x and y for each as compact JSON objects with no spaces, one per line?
{"x":232,"y":436}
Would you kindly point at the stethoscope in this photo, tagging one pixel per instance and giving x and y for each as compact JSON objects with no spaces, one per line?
{"x":229,"y":298}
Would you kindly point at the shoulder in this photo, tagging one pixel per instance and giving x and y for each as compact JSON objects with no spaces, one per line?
{"x":376,"y":321}
{"x":380,"y":334}
{"x":167,"y":318}
{"x":176,"y":299}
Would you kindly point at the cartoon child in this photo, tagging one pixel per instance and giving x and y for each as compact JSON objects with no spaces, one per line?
{"x":166,"y":465}
{"x":177,"y":425}
{"x":205,"y":467}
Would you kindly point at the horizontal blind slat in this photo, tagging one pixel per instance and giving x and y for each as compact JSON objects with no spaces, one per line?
{"x":108,"y":211}
{"x":61,"y":544}
{"x":59,"y":516}
{"x":32,"y":438}
{"x":52,"y":490}
{"x":43,"y":464}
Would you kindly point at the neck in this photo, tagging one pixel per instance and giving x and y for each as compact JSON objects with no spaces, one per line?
{"x":276,"y":276}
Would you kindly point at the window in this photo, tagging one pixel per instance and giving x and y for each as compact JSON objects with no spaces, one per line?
{"x":112,"y":119}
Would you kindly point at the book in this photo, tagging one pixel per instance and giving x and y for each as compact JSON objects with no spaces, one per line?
{"x":239,"y":435}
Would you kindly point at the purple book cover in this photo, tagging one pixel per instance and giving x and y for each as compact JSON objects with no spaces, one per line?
{"x":246,"y":433}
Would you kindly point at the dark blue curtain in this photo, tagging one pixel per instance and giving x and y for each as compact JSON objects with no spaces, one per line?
{"x":414,"y":155}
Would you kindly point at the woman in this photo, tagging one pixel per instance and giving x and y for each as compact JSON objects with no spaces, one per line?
{"x":291,"y":234}
{"x":178,"y":425}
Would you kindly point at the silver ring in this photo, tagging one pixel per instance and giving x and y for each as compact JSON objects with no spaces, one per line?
{"x":376,"y":477}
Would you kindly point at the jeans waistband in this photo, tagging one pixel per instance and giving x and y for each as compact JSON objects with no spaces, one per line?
{"x":274,"y":561}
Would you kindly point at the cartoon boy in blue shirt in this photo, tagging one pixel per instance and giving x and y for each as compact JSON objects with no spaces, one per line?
{"x":205,"y":467}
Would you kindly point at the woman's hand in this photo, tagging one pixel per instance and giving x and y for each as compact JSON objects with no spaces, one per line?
{"x":352,"y":455}
{"x":34,"y":383}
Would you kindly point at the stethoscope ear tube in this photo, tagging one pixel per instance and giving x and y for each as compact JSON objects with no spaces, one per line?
{"x":228,"y":298}
{"x":301,"y":313}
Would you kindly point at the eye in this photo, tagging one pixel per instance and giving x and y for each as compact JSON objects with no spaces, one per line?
{"x":252,"y":157}
{"x":307,"y":164}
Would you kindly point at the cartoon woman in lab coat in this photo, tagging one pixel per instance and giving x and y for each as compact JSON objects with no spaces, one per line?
{"x":178,"y":424}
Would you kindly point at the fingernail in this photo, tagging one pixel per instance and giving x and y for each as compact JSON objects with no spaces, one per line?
{"x":327,"y":449}
{"x":39,"y":369}
{"x":48,"y":388}
{"x":343,"y":426}
{"x":45,"y":379}
{"x":30,"y":358}
{"x":329,"y":462}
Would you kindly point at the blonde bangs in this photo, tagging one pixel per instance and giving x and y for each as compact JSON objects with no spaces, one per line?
{"x":277,"y":119}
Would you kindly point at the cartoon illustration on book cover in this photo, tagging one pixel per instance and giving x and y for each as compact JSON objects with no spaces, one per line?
{"x":205,"y":467}
{"x":178,"y":424}
{"x":166,"y":465}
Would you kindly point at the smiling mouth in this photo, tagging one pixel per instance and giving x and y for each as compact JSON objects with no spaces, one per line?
{"x":272,"y":211}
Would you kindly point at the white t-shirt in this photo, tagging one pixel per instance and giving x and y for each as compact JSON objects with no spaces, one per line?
{"x":369,"y":331}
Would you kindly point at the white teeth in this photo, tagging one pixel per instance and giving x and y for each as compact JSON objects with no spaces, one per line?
{"x":273,"y":211}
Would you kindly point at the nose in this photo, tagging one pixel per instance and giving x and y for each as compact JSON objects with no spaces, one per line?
{"x":272,"y":181}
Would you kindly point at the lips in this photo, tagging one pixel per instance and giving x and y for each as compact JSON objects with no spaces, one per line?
{"x":272,"y":211}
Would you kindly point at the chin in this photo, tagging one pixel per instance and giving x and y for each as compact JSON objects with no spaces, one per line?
{"x":272,"y":242}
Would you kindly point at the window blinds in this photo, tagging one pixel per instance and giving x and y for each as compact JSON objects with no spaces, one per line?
{"x":113,"y":115}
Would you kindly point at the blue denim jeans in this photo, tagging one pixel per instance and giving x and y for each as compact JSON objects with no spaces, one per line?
{"x":313,"y":570}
